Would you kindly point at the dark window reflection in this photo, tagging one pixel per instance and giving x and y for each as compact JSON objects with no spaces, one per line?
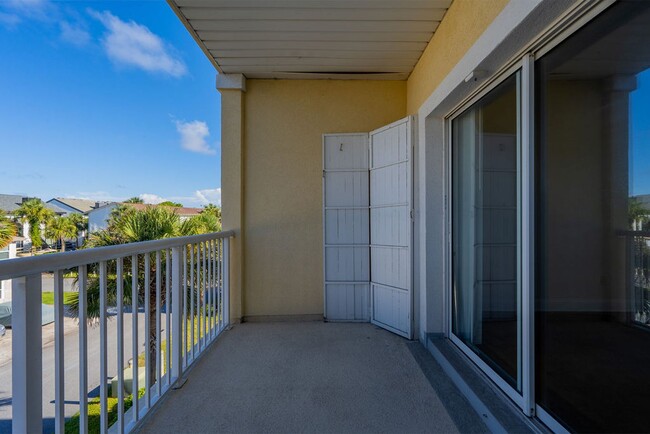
{"x":485,"y":229}
{"x":593,"y":237}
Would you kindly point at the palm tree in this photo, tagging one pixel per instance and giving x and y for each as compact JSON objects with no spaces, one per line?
{"x":34,"y":212}
{"x":134,"y":199}
{"x":200,"y":224}
{"x":152,"y":223}
{"x":170,"y":203}
{"x":8,"y":230}
{"x":212,"y":209}
{"x":80,"y":221}
{"x":61,"y":228}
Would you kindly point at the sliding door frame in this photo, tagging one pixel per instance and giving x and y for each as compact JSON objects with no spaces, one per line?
{"x":571,"y":21}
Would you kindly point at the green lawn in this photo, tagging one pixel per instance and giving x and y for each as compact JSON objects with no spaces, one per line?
{"x":48,"y":297}
{"x":94,"y":413}
{"x":94,"y":409}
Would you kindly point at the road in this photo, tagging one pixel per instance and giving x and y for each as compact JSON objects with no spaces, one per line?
{"x":71,"y":349}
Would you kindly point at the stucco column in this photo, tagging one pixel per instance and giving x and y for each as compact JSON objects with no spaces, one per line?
{"x":232,"y":88}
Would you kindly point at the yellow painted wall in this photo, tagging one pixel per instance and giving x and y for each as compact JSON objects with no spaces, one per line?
{"x":284,"y":123}
{"x":461,"y":26}
{"x":232,"y":139}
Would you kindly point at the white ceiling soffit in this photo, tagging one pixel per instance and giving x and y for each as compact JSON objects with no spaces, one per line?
{"x":344,"y":39}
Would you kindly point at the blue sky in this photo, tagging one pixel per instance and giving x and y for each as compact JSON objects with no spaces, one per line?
{"x":640,"y":135}
{"x":106,"y":100}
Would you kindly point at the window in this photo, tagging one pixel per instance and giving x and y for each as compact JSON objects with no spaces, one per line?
{"x":593,"y":258}
{"x":486,"y":293}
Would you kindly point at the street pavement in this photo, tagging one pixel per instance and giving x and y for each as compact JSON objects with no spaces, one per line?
{"x":71,"y":349}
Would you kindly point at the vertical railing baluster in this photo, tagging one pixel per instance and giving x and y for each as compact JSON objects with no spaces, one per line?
{"x":205,"y":297}
{"x":59,"y":355}
{"x":83,"y":349}
{"x":192,"y":290}
{"x":177,"y":323}
{"x":220,"y":253}
{"x":185,"y":333}
{"x":119,"y":282}
{"x":199,"y":306}
{"x":209,"y":294}
{"x":158,"y":323}
{"x":226,"y":281}
{"x":134,"y":331}
{"x":215,"y":283}
{"x":103,"y":350}
{"x":147,"y":330}
{"x":168,"y":343}
{"x":27,"y":355}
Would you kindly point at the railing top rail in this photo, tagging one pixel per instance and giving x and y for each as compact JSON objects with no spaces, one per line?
{"x":20,"y":267}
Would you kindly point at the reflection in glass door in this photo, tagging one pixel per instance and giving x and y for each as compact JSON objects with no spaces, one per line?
{"x":486,"y":278}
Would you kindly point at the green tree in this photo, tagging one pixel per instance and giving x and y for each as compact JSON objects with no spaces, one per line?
{"x":134,"y":199}
{"x":637,"y":213}
{"x":212,"y":209}
{"x":200,"y":224}
{"x":34,"y":212}
{"x":80,"y":221}
{"x":8,"y":230}
{"x":170,"y":203}
{"x":61,"y":228}
{"x":132,"y":226}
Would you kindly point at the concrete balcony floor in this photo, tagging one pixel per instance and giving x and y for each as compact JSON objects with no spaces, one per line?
{"x":314,"y":377}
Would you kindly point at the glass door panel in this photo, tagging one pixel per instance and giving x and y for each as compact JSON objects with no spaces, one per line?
{"x":486,"y":289}
{"x":593,"y":260}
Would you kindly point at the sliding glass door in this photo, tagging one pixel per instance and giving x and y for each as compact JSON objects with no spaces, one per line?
{"x":593,"y":278}
{"x":486,"y":210}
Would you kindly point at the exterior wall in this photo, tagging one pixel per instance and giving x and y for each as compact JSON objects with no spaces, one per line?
{"x":284,"y":123}
{"x":98,"y":218}
{"x":462,"y":25}
{"x":232,"y":142}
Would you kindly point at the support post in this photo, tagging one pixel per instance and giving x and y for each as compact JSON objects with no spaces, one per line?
{"x":27,"y":356}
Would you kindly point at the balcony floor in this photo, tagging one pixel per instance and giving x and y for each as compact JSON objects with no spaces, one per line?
{"x":311,"y":377}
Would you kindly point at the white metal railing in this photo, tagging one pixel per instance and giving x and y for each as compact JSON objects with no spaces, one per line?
{"x":187,"y":277}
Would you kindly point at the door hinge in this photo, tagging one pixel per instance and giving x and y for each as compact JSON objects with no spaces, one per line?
{"x":412,"y":214}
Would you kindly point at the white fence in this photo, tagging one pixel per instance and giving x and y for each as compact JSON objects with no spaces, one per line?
{"x":186,"y":277}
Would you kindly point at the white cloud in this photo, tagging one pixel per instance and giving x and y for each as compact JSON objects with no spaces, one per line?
{"x":151,"y":198}
{"x":209,"y":196}
{"x":74,"y":34}
{"x":42,"y":10}
{"x":198,"y":198}
{"x":194,"y":135}
{"x":132,"y":44}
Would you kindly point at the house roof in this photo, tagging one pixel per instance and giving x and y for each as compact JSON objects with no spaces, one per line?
{"x":11,"y":202}
{"x":312,"y":38}
{"x":81,"y":205}
{"x":181,"y":211}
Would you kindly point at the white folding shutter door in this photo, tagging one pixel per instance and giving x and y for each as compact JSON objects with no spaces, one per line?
{"x":346,"y":227}
{"x":391,"y":227}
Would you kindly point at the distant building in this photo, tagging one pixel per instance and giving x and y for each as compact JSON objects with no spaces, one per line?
{"x":72,"y":205}
{"x":8,"y":252}
{"x":98,"y":217}
{"x":11,"y":202}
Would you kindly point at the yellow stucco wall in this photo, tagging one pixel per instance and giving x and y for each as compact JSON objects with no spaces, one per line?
{"x":284,"y":123}
{"x":232,"y":138}
{"x":461,"y":26}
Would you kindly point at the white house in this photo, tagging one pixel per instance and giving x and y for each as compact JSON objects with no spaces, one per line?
{"x":8,"y":252}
